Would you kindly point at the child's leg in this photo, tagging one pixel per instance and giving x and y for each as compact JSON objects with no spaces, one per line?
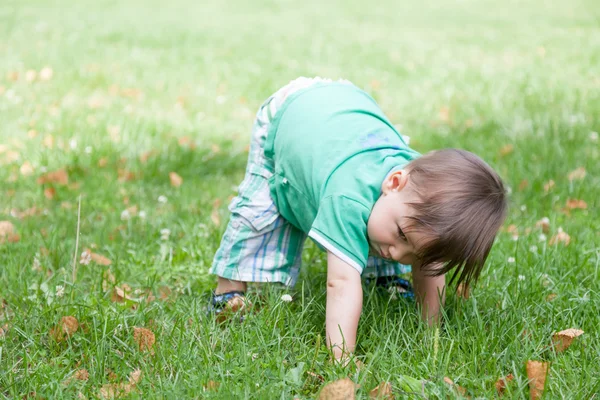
{"x":227,"y":285}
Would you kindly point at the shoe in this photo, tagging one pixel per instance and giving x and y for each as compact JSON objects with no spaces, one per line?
{"x":225,"y":304}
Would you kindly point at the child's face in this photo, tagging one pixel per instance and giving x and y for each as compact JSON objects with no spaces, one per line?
{"x":388,"y":223}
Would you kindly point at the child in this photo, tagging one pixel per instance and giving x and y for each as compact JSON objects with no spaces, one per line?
{"x":326,"y":163}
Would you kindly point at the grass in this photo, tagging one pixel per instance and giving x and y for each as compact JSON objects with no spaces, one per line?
{"x":182,"y":80}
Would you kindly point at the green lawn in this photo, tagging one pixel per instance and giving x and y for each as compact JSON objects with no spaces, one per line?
{"x":119,"y":94}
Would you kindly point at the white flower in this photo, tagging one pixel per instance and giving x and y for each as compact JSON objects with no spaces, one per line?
{"x":142,"y":214}
{"x":164,"y":234}
{"x":162,"y":199}
{"x":508,"y":190}
{"x":125,"y":215}
{"x":37,"y":266}
{"x":545,"y":220}
{"x":60,"y":291}
{"x":73,"y":144}
{"x":515,"y":238}
{"x":594,"y":136}
{"x":86,"y":258}
{"x":521,"y":277}
{"x":221,"y":99}
{"x":286,"y":298}
{"x":533,"y":249}
{"x":511,"y":260}
{"x":523,"y":208}
{"x":542,"y":237}
{"x":88,"y":150}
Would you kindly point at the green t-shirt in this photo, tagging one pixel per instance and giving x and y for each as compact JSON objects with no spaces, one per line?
{"x":332,"y":147}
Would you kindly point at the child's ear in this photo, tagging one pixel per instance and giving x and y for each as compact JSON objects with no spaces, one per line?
{"x":395,"y":182}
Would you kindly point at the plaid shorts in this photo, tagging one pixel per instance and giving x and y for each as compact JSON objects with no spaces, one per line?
{"x":259,"y":245}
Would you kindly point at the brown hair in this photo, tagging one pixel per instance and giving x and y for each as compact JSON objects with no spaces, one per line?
{"x":462,"y":206}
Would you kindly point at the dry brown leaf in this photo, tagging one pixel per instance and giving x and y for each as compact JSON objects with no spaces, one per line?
{"x":512,"y":228}
{"x":537,"y":372}
{"x":444,"y":114}
{"x":99,"y":258}
{"x":461,"y":390}
{"x":574,"y":204}
{"x":145,"y":156}
{"x":175,"y":179}
{"x":382,"y":391}
{"x":544,"y":224}
{"x":135,"y":377}
{"x":212,"y":386}
{"x":60,"y":177}
{"x":7,"y":232}
{"x":560,"y":237}
{"x":79,"y":375}
{"x":164,"y":292}
{"x":506,"y":150}
{"x":3,"y":330}
{"x":523,"y":185}
{"x":316,"y":376}
{"x":103,"y":162}
{"x":462,"y":291}
{"x":144,"y":338}
{"x":121,"y":293}
{"x":562,"y":340}
{"x":49,"y":193}
{"x":66,"y":328}
{"x":549,"y":185}
{"x":502,"y":383}
{"x":577,"y":174}
{"x":215,"y":217}
{"x":343,"y":389}
{"x":124,"y":175}
{"x":551,"y":297}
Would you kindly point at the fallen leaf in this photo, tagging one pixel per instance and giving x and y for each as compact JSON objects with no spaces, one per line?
{"x":144,"y":338}
{"x":120,"y":294}
{"x":536,"y":373}
{"x":573,"y":204}
{"x":99,"y":258}
{"x":49,"y":193}
{"x":577,"y":174}
{"x":461,"y":390}
{"x":382,"y":391}
{"x":3,"y":330}
{"x":59,"y":177}
{"x":562,"y":340}
{"x":66,"y":328}
{"x":212,"y":386}
{"x":164,"y":292}
{"x":560,"y":237}
{"x":30,"y":75}
{"x":124,"y":175}
{"x":103,"y":162}
{"x":135,"y":376}
{"x":512,"y":228}
{"x":7,"y":232}
{"x":175,"y":179}
{"x":506,"y":150}
{"x":551,"y":297}
{"x":316,"y":376}
{"x":462,"y":291}
{"x":523,"y":185}
{"x":502,"y":383}
{"x":444,"y":114}
{"x":548,"y":185}
{"x":79,"y":375}
{"x":343,"y":389}
{"x":544,"y":224}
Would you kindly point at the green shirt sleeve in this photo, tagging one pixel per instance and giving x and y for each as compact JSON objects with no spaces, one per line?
{"x":341,"y":227}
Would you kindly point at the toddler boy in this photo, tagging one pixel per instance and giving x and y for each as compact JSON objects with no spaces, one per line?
{"x":326,"y":163}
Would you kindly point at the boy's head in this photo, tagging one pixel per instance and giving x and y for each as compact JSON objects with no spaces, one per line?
{"x":443,"y":210}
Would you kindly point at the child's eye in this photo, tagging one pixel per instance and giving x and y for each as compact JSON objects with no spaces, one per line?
{"x":401,"y":234}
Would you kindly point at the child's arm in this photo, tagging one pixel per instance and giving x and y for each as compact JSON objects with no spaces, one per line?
{"x":344,"y":305}
{"x":430,"y":293}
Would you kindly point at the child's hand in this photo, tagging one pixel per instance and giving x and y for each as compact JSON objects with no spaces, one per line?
{"x":344,"y":306}
{"x":430,"y":293}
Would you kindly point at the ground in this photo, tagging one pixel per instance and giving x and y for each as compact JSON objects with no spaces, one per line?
{"x":110,"y":98}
